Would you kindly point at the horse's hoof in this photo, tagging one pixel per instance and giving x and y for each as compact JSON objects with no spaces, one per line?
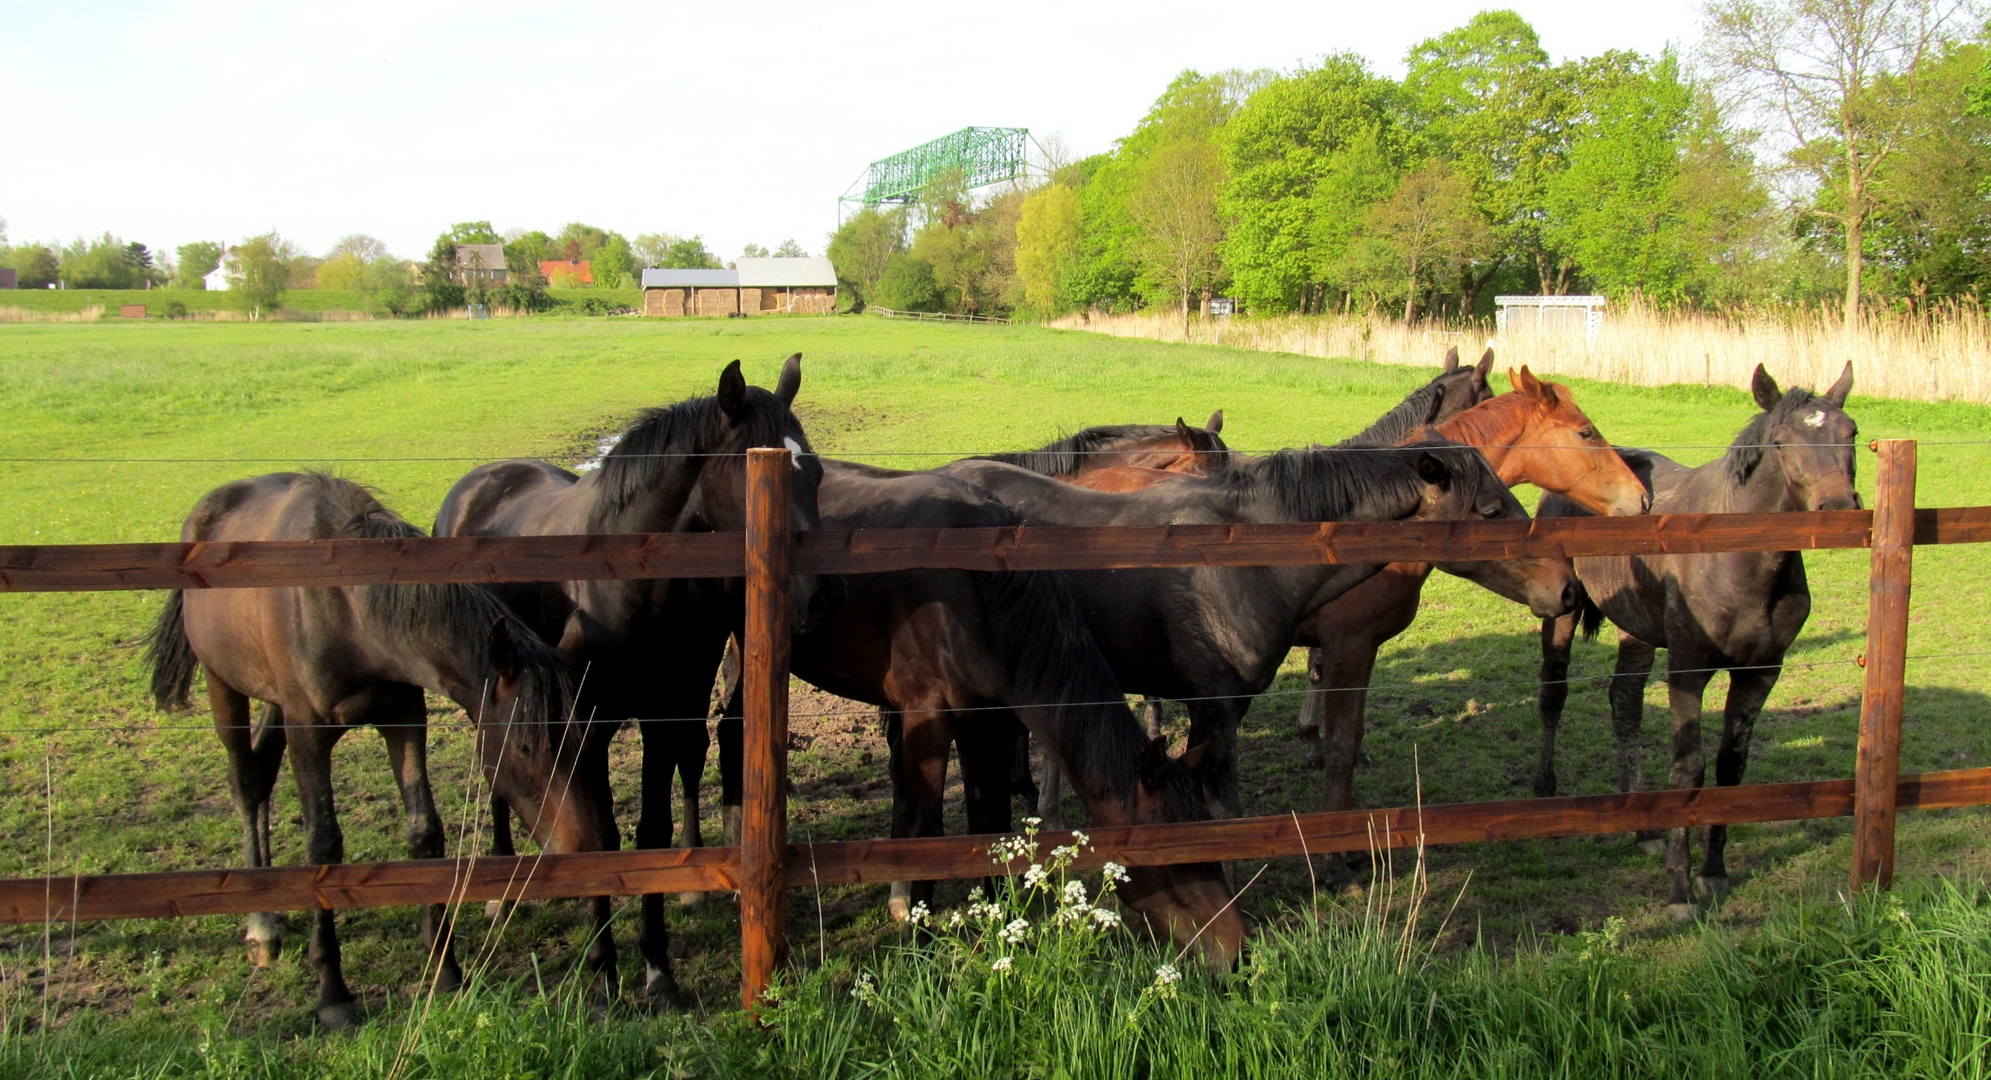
{"x":1716,"y":888}
{"x":1682,"y":912}
{"x":264,"y":954}
{"x":660,"y":989}
{"x":1316,"y":760}
{"x":1308,"y":731}
{"x":499,"y":910}
{"x":339,"y":1017}
{"x":690,"y":900}
{"x":449,"y":980}
{"x":900,"y":904}
{"x":1545,"y":789}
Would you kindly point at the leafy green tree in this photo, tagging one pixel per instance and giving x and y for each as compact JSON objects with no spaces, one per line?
{"x":753,"y":251}
{"x":345,"y":271}
{"x":1422,"y":233}
{"x":1837,"y":79}
{"x":614,"y":265}
{"x":440,"y":290}
{"x":196,"y":261}
{"x":1930,"y":230}
{"x":258,"y":273}
{"x":906,"y":284}
{"x":1050,"y":237}
{"x":523,"y":254}
{"x":103,"y":263}
{"x":579,"y":241}
{"x":862,"y":248}
{"x":1308,"y":155}
{"x":474,"y":232}
{"x":1174,"y":205}
{"x":652,"y":248}
{"x":789,"y":249}
{"x":690,"y":253}
{"x":392,"y":284}
{"x":35,"y":265}
{"x":366,"y":247}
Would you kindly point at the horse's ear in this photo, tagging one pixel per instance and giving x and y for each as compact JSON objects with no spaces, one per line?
{"x":1192,"y":758}
{"x":503,"y":651}
{"x":1182,"y":432}
{"x":1837,"y":394}
{"x":1526,"y":382}
{"x":1451,"y":359}
{"x":1433,"y":471}
{"x":1482,"y":369}
{"x":791,"y":380}
{"x":1216,"y":423}
{"x":733,"y":391}
{"x":1154,"y":759}
{"x":1765,"y":389}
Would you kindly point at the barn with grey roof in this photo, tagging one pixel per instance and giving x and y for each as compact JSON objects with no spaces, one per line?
{"x":805,"y":286}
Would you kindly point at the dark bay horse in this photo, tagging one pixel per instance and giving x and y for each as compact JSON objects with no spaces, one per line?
{"x":1534,"y":434}
{"x":1176,"y":449}
{"x":1736,"y":611}
{"x":649,"y":648}
{"x":329,"y":659}
{"x":1214,"y":637}
{"x":954,"y":656}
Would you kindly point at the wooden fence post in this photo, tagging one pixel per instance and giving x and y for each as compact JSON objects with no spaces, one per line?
{"x":764,"y":798}
{"x":1878,"y":771}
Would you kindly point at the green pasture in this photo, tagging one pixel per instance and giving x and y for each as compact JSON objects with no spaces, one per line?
{"x":113,"y":429}
{"x":302,"y":301}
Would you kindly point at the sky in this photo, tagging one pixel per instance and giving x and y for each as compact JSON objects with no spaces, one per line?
{"x":742,"y":122}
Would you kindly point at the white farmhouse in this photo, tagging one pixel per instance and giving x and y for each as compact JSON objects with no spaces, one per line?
{"x":217,"y":278}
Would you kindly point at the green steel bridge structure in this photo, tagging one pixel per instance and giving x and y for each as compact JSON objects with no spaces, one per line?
{"x":981,"y":155}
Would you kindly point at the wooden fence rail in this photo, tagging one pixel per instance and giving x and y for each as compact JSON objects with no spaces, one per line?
{"x":765,"y":865}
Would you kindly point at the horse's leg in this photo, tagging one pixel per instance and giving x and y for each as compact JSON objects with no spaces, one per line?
{"x":653,"y":830}
{"x":1686,"y":682}
{"x":1213,"y":723}
{"x":1557,"y":636}
{"x":406,"y":733}
{"x":311,"y":767}
{"x":1022,"y":779}
{"x":600,"y":958}
{"x":1310,"y":704}
{"x":501,"y":847}
{"x":1747,"y":691}
{"x":1627,"y":718}
{"x":1151,"y":716}
{"x":899,"y":896}
{"x":250,"y":780}
{"x":732,"y":751}
{"x":925,"y":735}
{"x":693,"y":745}
{"x":1051,"y":793}
{"x":987,"y":744}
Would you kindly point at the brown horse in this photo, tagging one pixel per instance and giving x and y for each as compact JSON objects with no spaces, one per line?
{"x":1534,"y":434}
{"x":329,"y":659}
{"x":1739,"y":611}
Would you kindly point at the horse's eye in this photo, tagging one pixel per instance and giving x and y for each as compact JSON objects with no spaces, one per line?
{"x":1587,"y":434}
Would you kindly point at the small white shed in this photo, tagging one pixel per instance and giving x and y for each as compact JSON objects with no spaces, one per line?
{"x":1550,"y":316}
{"x":217,"y":278}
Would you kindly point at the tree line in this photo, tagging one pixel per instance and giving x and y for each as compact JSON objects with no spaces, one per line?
{"x":1811,"y":152}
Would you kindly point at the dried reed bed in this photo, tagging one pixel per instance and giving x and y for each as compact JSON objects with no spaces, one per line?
{"x":11,"y":314}
{"x":1945,"y":356}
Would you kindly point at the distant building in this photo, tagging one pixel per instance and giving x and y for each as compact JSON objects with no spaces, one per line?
{"x":481,"y":262}
{"x":216,"y":279}
{"x":567,"y":273}
{"x":804,"y":286}
{"x":9,"y":278}
{"x":1550,"y":316}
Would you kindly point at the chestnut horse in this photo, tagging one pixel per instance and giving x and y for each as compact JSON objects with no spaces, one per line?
{"x":1738,"y":611}
{"x":329,"y":659}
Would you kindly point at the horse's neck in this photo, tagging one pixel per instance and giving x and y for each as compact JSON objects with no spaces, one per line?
{"x":1710,"y":489}
{"x":1494,"y":427}
{"x":658,"y":507}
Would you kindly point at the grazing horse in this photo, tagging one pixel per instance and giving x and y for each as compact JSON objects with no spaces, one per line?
{"x":329,"y":659}
{"x":1735,"y":611}
{"x":953,"y":655}
{"x":1214,"y":636}
{"x":1534,"y":434}
{"x":648,"y":649}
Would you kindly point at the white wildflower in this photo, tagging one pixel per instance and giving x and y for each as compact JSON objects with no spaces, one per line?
{"x":864,"y":990}
{"x":1064,"y":854}
{"x":919,"y":916}
{"x":975,"y":895}
{"x":1034,"y":877}
{"x":1081,"y":839}
{"x":954,"y":919}
{"x":1003,"y":964}
{"x":1032,"y":822}
{"x":1107,"y":918}
{"x":1166,"y":975}
{"x":1075,"y":892}
{"x":1114,"y":872}
{"x":1013,"y":933}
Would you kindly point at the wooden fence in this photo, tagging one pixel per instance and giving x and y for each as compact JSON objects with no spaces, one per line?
{"x":765,"y":865}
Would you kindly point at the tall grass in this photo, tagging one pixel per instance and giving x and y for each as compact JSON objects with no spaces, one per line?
{"x":14,"y":314}
{"x":1942,"y":356}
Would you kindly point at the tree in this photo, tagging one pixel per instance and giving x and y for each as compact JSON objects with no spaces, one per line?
{"x":689,"y":253}
{"x":35,"y":265}
{"x":862,"y":248}
{"x":106,"y":263}
{"x":1931,"y":225}
{"x":524,"y":251}
{"x":652,"y":248}
{"x":441,"y":291}
{"x":364,"y":246}
{"x":1834,"y":78}
{"x":1308,"y":155}
{"x":196,"y":261}
{"x":345,"y":271}
{"x":753,"y":251}
{"x":258,"y":273}
{"x":1174,"y":205}
{"x":1050,"y":233}
{"x":474,"y":232}
{"x":789,"y":249}
{"x":613,"y":262}
{"x":1428,"y":227}
{"x":392,"y":284}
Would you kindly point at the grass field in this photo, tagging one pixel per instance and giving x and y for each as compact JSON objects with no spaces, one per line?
{"x":98,"y":781}
{"x":303,"y":301}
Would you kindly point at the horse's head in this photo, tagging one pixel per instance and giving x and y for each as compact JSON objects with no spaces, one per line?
{"x":535,"y":752}
{"x":1810,"y":438}
{"x":751,"y":417}
{"x":1203,"y":451}
{"x":1190,"y":903}
{"x":1561,"y":452}
{"x":1460,"y":486}
{"x":1460,"y":388}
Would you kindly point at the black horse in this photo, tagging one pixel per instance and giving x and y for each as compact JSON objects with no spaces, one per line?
{"x":1213,"y":637}
{"x":329,"y":659}
{"x":648,"y":649}
{"x":1736,"y":611}
{"x":956,"y":656}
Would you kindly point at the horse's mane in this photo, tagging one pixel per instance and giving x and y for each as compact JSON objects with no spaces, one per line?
{"x":1413,"y":412}
{"x":658,"y":437}
{"x":451,"y":616}
{"x":1067,"y":456}
{"x":1485,"y":424}
{"x":1327,"y":483}
{"x":1746,"y":452}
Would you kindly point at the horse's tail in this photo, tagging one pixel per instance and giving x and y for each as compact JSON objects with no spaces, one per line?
{"x":172,"y":655}
{"x":1588,"y":614}
{"x":1049,"y":657}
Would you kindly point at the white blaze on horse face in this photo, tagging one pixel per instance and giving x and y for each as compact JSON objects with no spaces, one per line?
{"x":1816,"y":419}
{"x":795,"y":449}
